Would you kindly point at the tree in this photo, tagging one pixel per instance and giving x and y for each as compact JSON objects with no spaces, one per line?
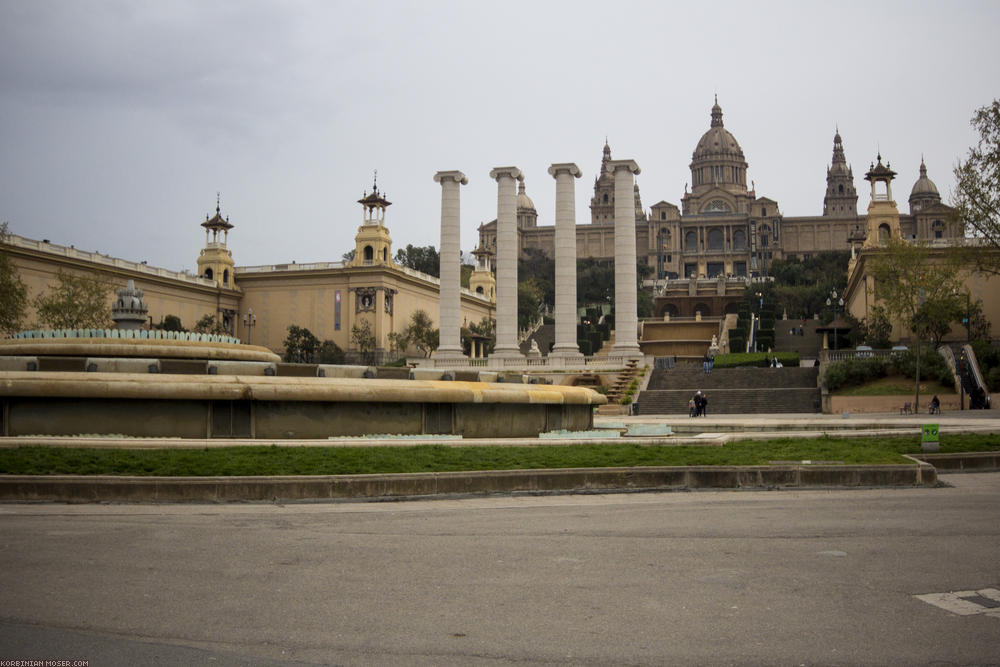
{"x":209,"y":324}
{"x":420,"y":258}
{"x":301,"y":345}
{"x":977,"y":189}
{"x":329,"y":353}
{"x":912,"y":285}
{"x":170,"y":323}
{"x":364,"y":339}
{"x":13,"y":291}
{"x":875,"y":329}
{"x":420,"y":333}
{"x":76,"y":302}
{"x":348,"y":256}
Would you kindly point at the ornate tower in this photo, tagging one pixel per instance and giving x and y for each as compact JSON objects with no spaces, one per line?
{"x":482,"y":281}
{"x":372,"y":244}
{"x":841,"y":198}
{"x":718,"y":161}
{"x":216,"y":261}
{"x":602,"y":204}
{"x":883,"y":215}
{"x":527,"y":215}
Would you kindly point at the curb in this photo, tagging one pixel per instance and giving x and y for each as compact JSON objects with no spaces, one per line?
{"x":971,"y":461}
{"x":96,"y":489}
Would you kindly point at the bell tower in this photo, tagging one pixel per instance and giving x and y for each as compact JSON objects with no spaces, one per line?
{"x":883,"y":215}
{"x":372,"y":244}
{"x":841,"y":198}
{"x":482,"y":281}
{"x":216,"y":261}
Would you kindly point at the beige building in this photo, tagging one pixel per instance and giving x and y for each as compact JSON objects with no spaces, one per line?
{"x":259,"y":303}
{"x":932,"y":225}
{"x":723,"y":227}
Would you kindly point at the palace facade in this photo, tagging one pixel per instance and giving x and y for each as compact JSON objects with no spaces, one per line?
{"x":258,"y":303}
{"x":722,"y":226}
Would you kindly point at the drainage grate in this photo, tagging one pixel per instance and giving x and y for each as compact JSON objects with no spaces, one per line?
{"x":966,"y":603}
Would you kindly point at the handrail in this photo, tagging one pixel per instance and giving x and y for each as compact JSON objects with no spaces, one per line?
{"x":973,"y":364}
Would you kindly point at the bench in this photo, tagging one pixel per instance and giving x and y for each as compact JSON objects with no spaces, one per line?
{"x":907,"y":409}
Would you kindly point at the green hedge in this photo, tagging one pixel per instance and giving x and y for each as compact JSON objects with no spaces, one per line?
{"x":854,"y":372}
{"x":584,"y":346}
{"x":754,"y":359}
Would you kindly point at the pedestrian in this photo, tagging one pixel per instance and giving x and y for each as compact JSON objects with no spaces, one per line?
{"x":935,"y":405}
{"x":704,"y":405}
{"x":697,"y":403}
{"x":711,"y":363}
{"x":691,"y":407}
{"x":704,"y":364}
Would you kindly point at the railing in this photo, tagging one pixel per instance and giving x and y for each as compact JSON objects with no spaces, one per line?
{"x":843,"y":355}
{"x":555,"y":363}
{"x":525,"y":334}
{"x":973,"y":365}
{"x":132,"y":334}
{"x":15,"y":241}
{"x":266,"y":268}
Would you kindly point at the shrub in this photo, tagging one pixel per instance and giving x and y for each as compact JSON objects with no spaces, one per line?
{"x":932,"y":366}
{"x":584,"y":346}
{"x":755,"y":359}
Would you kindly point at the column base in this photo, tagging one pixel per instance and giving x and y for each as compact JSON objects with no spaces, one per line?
{"x":627,"y":350}
{"x":566,"y":352}
{"x":506,"y":353}
{"x":449,"y":353}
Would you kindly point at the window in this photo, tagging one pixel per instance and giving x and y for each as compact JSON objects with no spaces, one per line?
{"x":715,"y":239}
{"x":763,"y":211}
{"x":208,"y":273}
{"x":369,"y":253}
{"x":225,"y":278}
{"x":739,"y":240}
{"x":840,"y":189}
{"x":663,"y":215}
{"x":715,"y":269}
{"x":691,"y":270}
{"x":740,"y":268}
{"x":605,"y":198}
{"x":691,"y":241}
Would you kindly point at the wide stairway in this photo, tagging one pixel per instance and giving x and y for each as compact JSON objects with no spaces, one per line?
{"x":732,"y":390}
{"x":807,"y":346}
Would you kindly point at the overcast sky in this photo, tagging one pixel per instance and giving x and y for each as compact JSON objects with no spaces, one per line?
{"x":121,"y":120}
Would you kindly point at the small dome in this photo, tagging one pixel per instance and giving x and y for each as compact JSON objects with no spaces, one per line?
{"x":924,"y":186}
{"x":523,"y":200}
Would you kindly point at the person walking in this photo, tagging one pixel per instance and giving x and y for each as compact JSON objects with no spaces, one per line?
{"x":691,"y":407}
{"x":703,"y":411}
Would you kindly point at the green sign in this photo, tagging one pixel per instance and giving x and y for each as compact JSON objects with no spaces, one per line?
{"x":929,"y":433}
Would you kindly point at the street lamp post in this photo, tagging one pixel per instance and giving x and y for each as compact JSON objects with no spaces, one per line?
{"x":249,"y":322}
{"x":834,"y":302}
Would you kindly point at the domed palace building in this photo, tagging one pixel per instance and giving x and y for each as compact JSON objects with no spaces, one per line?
{"x":724,"y":232}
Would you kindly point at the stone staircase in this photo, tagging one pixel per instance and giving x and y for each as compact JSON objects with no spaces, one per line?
{"x":732,"y":390}
{"x":545,"y":336}
{"x":807,"y":346}
{"x":624,"y":379}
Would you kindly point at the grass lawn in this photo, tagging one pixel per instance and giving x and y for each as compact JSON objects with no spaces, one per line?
{"x":276,"y":460}
{"x":894,"y":386}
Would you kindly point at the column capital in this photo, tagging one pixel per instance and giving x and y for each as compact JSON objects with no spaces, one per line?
{"x":615,"y":165}
{"x":497,"y":172}
{"x":568,"y":167}
{"x":454,"y":175}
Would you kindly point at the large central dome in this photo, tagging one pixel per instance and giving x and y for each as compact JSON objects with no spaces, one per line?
{"x":718,"y":141}
{"x":718,"y":160}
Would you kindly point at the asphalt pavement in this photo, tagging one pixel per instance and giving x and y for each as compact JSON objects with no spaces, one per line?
{"x":828,"y":577}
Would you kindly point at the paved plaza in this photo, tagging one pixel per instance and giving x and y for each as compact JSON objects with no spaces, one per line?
{"x":828,"y":577}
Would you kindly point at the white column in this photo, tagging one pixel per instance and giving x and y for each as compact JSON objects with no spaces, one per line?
{"x":626,"y":308}
{"x":565,"y":245}
{"x":450,"y":318}
{"x":506,"y":346}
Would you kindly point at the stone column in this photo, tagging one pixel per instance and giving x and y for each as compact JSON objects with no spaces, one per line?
{"x":450,"y":318}
{"x":626,"y":313}
{"x":565,"y":245}
{"x":506,"y":346}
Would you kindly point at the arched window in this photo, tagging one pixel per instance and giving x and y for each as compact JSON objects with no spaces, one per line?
{"x":840,"y":189}
{"x":369,"y":253}
{"x":691,"y":241}
{"x":385,"y":254}
{"x":739,"y":240}
{"x":209,"y":274}
{"x":715,"y":239}
{"x":225,"y":278}
{"x":479,"y":289}
{"x":883,"y":233}
{"x":605,"y":198}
